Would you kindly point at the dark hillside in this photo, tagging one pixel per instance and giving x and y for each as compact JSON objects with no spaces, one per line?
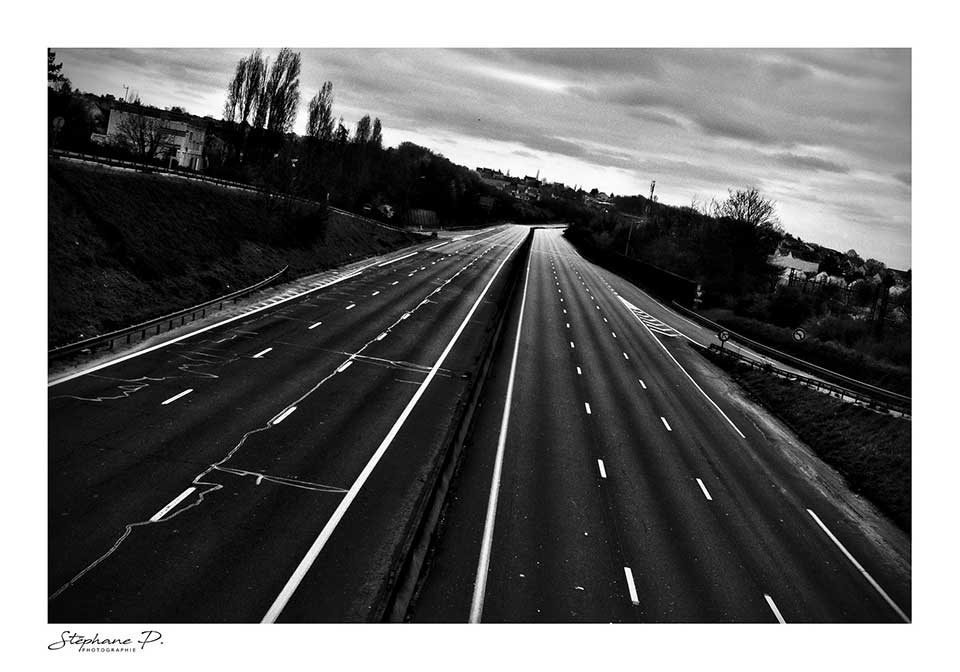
{"x":124,"y":247}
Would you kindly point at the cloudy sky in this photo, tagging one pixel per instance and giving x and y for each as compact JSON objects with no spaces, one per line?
{"x":825,"y":133}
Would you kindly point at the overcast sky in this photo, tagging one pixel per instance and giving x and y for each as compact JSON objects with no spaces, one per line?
{"x":825,"y":133}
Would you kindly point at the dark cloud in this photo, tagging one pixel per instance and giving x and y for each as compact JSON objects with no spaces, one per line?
{"x":811,"y":162}
{"x":736,"y":129}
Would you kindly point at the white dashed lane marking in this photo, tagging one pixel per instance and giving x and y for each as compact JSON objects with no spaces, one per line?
{"x":176,"y":396}
{"x":704,"y":488}
{"x":262,"y":353}
{"x":314,"y":325}
{"x":666,"y":424}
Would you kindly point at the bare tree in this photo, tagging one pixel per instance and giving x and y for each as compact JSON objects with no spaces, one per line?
{"x":376,"y":136}
{"x":320,"y":121}
{"x":142,"y":133}
{"x":283,"y":92}
{"x":748,"y":206}
{"x":361,"y":135}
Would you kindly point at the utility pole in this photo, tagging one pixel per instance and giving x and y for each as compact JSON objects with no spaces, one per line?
{"x":126,"y":92}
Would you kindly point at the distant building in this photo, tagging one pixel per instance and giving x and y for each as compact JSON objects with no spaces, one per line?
{"x":791,"y":262}
{"x":494,"y":178}
{"x":183,"y":134}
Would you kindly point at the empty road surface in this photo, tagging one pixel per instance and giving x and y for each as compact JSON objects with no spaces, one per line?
{"x":263,"y":469}
{"x":613,"y":476}
{"x":266,"y":469}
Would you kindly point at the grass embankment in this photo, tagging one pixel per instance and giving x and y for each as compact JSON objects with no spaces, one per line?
{"x":125,"y":247}
{"x":870,"y":450}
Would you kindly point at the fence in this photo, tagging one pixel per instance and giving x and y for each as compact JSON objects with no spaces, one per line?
{"x":717,"y":351}
{"x":852,"y":387}
{"x":154,"y":326}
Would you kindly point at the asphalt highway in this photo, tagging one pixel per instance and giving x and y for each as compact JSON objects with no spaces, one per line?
{"x":614,"y":475}
{"x":262,"y":470}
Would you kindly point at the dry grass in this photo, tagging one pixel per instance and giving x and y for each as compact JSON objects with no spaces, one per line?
{"x":124,"y":247}
{"x":870,"y":450}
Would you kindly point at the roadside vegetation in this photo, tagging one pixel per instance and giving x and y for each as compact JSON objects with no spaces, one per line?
{"x":856,"y":323}
{"x":125,"y":247}
{"x":870,"y":450}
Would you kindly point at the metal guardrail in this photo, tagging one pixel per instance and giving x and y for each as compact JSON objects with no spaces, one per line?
{"x":889,"y":398}
{"x":154,"y":326}
{"x":815,"y":383}
{"x":187,"y":175}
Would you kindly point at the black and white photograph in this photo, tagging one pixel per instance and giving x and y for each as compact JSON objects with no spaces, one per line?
{"x":440,"y":334}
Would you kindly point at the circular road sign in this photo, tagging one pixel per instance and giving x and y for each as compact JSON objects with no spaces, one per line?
{"x":799,"y":334}
{"x":723,"y":335}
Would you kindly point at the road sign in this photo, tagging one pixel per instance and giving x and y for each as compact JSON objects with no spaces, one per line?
{"x":799,"y":334}
{"x":723,"y":335}
{"x":58,"y":123}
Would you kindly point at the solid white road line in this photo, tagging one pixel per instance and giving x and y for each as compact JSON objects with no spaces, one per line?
{"x":262,"y":353}
{"x":382,"y":336}
{"x":666,"y":424}
{"x":705,"y":396}
{"x":603,"y":472}
{"x":773,"y":608}
{"x":642,"y":383}
{"x":703,"y":487}
{"x":865,"y":573}
{"x":314,"y":325}
{"x":587,"y":406}
{"x":179,"y":498}
{"x":350,"y":306}
{"x":280,"y":418}
{"x":176,"y":396}
{"x":483,"y":564}
{"x":307,"y":562}
{"x":393,"y":261}
{"x":631,"y":586}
